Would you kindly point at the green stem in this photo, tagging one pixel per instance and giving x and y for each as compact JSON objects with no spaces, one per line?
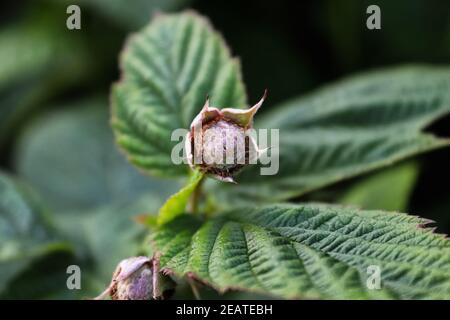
{"x":196,"y":197}
{"x":194,"y":289}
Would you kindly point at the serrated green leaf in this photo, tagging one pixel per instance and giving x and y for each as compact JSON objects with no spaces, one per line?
{"x":358,"y":125}
{"x":25,"y":232}
{"x":176,"y":204}
{"x":168,"y":69}
{"x":310,"y":251}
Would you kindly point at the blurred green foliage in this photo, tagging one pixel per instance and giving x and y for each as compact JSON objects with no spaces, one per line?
{"x":68,"y":197}
{"x":370,"y":193}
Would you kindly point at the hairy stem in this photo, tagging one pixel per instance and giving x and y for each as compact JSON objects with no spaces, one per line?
{"x":195,"y":198}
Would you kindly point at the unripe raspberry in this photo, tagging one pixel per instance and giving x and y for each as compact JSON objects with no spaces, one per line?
{"x":219,"y":142}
